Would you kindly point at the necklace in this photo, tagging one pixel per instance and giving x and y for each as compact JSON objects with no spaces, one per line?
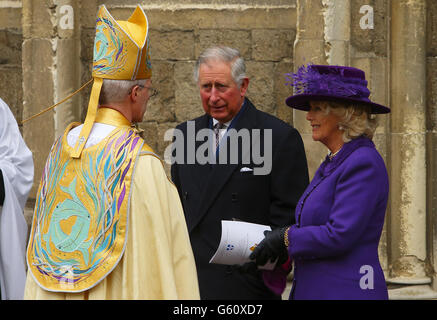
{"x":332,"y":155}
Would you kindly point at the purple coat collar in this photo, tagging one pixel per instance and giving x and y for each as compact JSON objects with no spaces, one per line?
{"x":328,"y":166}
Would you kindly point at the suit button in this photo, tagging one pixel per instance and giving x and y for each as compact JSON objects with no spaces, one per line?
{"x":234,"y":197}
{"x":185,"y":195}
{"x":228,"y":269}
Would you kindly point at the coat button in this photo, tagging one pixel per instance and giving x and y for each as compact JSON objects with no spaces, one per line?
{"x":185,"y":195}
{"x":234,"y":197}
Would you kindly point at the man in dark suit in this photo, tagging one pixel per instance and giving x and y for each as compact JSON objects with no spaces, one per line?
{"x":257,"y":177}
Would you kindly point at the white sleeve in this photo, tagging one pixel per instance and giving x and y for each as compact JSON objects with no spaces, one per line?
{"x":16,"y":164}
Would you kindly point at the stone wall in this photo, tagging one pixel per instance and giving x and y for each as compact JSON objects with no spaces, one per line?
{"x":11,"y":38}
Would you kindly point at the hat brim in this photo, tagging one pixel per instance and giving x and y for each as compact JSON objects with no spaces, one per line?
{"x":302,"y":102}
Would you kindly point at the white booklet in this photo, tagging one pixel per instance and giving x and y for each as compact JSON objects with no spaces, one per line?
{"x":238,"y":241}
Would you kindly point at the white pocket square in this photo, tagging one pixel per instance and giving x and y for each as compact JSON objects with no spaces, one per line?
{"x":246,"y":169}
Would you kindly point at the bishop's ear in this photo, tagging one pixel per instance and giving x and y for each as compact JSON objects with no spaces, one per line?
{"x":134,"y":92}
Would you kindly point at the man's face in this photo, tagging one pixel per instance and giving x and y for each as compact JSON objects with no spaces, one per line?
{"x":220,"y":95}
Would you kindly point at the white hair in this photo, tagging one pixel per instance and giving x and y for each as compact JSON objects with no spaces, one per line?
{"x":223,"y":54}
{"x":355,"y":119}
{"x":117,"y":90}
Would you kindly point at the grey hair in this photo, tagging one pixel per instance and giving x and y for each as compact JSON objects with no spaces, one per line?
{"x":223,"y":54}
{"x":117,"y":90}
{"x":355,"y":119}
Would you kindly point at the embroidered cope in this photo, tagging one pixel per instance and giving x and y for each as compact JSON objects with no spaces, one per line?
{"x":135,"y":245}
{"x":81,"y":212}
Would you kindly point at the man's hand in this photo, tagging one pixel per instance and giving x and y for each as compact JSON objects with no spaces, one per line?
{"x":272,"y":247}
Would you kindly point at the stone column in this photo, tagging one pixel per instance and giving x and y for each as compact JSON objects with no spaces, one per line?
{"x":369,"y":51}
{"x":50,"y":72}
{"x":408,"y":151}
{"x":432,"y":133}
{"x":309,"y":47}
{"x":337,"y":18}
{"x":67,"y":74}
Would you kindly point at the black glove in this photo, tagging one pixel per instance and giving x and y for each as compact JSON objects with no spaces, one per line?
{"x":272,"y":247}
{"x":2,"y":189}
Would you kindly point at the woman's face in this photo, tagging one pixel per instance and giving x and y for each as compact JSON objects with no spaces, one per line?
{"x":324,"y":126}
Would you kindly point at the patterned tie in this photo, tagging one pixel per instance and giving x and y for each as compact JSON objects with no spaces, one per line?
{"x":217,"y":127}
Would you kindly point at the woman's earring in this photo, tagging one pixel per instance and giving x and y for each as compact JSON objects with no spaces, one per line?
{"x":340,"y":127}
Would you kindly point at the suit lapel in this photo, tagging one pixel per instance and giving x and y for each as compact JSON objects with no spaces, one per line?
{"x":198,"y":172}
{"x":219,"y":174}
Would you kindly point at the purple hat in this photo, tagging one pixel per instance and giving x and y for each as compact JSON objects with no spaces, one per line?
{"x":330,"y":83}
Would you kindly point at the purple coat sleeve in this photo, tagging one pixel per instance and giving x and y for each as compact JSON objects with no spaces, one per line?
{"x":359,"y":186}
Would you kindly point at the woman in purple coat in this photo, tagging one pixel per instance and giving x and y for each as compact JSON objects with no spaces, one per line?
{"x":340,"y":216}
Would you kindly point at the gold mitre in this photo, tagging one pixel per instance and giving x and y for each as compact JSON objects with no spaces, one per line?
{"x":121,"y":48}
{"x":121,"y":52}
